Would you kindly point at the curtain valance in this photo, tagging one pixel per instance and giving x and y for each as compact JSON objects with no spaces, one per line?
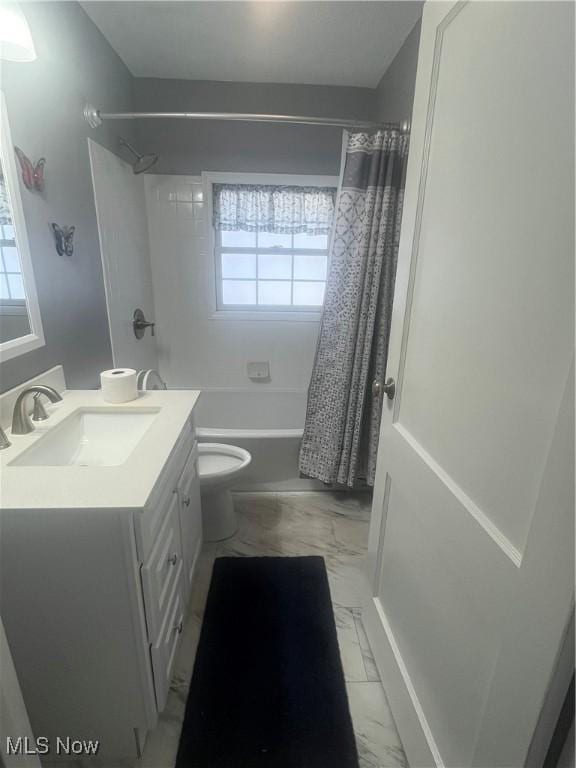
{"x":283,"y":210}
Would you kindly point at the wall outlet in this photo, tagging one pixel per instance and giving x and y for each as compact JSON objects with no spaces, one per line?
{"x":258,"y":371}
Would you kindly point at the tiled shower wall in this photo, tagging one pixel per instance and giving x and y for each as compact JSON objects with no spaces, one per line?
{"x":195,"y":348}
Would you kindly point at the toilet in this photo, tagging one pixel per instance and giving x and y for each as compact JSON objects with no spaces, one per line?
{"x":219,"y":467}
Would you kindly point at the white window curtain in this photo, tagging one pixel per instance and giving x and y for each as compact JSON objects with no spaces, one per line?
{"x":283,"y":210}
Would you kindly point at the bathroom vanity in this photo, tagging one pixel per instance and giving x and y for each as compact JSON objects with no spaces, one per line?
{"x":100,"y":534}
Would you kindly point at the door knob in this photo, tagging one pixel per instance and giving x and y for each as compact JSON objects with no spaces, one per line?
{"x":389,"y":389}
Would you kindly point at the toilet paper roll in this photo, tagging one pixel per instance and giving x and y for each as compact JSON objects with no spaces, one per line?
{"x":119,"y":385}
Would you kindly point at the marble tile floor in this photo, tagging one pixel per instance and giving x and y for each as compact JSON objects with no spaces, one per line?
{"x":334,"y":525}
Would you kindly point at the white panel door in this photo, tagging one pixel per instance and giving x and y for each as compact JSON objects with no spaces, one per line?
{"x":471,"y":541}
{"x":123,"y":230}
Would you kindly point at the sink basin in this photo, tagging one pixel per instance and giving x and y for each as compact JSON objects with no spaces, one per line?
{"x":90,"y":437}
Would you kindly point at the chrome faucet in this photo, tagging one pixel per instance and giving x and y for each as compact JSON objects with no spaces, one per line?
{"x":21,"y":421}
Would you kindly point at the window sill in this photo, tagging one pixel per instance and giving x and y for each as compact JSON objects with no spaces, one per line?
{"x":286,"y":317}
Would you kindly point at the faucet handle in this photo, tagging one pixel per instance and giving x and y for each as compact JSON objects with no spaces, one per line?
{"x":4,"y":442}
{"x":38,"y":412}
{"x":139,"y":324}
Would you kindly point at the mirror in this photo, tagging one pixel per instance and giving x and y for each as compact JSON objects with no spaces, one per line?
{"x":20,"y":324}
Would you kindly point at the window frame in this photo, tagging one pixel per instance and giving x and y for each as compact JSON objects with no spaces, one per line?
{"x":35,"y":338}
{"x":251,"y":311}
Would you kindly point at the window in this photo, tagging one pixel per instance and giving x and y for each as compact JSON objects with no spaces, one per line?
{"x":11,"y":282}
{"x":271,"y":246}
{"x":263,"y":270}
{"x":20,"y":322}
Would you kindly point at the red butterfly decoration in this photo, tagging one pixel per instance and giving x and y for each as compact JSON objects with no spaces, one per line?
{"x":32,"y":175}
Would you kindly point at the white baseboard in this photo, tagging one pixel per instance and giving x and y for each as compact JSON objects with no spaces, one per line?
{"x":415,"y":733}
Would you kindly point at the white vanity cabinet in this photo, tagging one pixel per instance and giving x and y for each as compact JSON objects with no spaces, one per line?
{"x":93,"y":601}
{"x":170,"y":536}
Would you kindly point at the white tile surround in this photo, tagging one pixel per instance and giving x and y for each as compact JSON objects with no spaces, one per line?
{"x":192,"y":344}
{"x":336,"y":527}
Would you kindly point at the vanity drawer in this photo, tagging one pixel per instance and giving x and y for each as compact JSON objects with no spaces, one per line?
{"x":163,"y":652}
{"x":163,"y":570}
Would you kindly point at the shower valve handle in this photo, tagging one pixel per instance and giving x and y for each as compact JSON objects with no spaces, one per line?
{"x":145,"y":325}
{"x":139,"y":324}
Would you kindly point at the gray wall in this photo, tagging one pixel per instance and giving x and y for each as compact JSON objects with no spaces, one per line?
{"x":189,"y":147}
{"x":395,"y":91}
{"x":45,"y":100}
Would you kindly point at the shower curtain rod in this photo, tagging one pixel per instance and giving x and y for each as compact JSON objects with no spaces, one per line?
{"x":95,"y":118}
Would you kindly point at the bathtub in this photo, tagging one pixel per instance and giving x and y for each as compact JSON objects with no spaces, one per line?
{"x":267,"y":423}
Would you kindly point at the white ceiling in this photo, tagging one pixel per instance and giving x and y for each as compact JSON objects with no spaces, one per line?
{"x":322,"y":43}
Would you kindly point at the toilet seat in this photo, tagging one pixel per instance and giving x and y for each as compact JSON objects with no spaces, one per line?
{"x":217,"y":462}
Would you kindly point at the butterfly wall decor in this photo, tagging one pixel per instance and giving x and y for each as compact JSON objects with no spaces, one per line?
{"x":64,"y":239}
{"x":32,"y":175}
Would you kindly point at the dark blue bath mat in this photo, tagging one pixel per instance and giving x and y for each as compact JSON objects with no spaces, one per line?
{"x":268,"y":689}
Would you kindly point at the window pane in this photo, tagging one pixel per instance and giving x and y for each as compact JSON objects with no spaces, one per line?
{"x":309,"y":294}
{"x":4,"y":288}
{"x":238,"y":239}
{"x":238,"y":265}
{"x":309,"y":267}
{"x":16,"y":286}
{"x":8,"y":231}
{"x":272,"y":292}
{"x":311,"y":241}
{"x":238,"y":291}
{"x":11,"y":260}
{"x":272,"y":265}
{"x":270,"y":240}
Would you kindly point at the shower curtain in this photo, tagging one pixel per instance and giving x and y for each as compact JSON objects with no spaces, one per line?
{"x":343,"y":416}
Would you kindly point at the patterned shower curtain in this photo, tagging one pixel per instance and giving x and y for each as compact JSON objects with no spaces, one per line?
{"x":343,"y":416}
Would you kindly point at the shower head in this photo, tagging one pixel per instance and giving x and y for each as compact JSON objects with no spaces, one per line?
{"x":142,"y":162}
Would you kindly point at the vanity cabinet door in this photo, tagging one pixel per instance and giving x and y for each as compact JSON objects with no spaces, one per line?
{"x":151,"y":519}
{"x":190,"y":517}
{"x":163,"y":570}
{"x":163,"y":651}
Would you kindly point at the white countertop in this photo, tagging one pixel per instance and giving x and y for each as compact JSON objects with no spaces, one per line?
{"x":126,"y":485}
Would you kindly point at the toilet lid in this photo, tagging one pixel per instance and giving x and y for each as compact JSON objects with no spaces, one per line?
{"x":218,"y":458}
